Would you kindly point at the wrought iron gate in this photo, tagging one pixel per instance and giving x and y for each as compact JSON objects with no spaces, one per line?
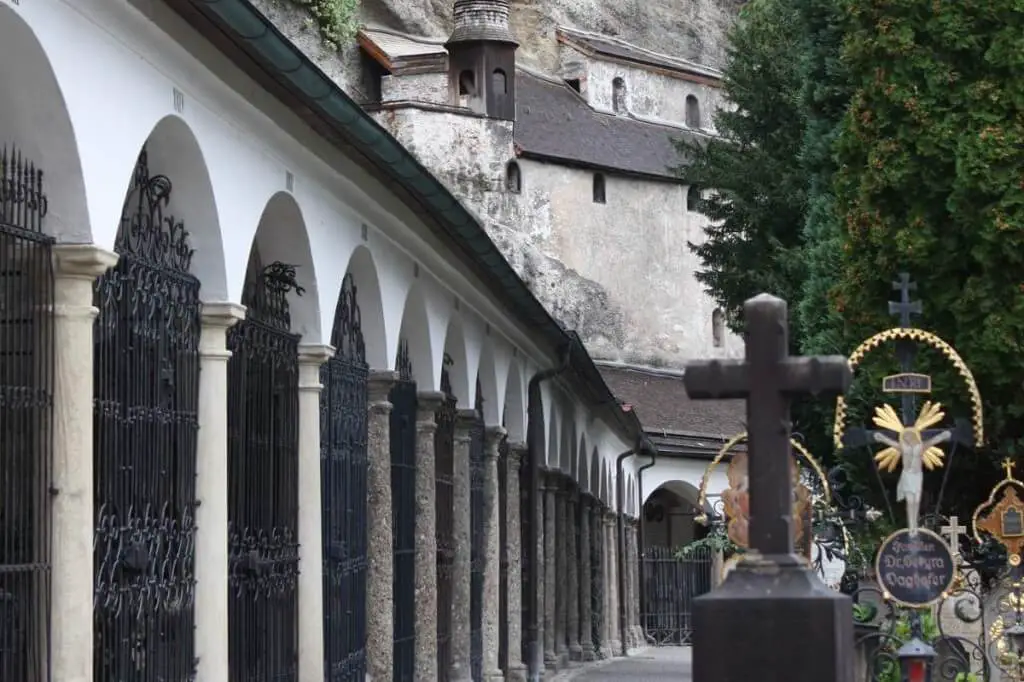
{"x":503,"y":473}
{"x":263,"y":412}
{"x":670,"y":585}
{"x":146,"y":382}
{"x":403,"y":510}
{"x":476,"y":535}
{"x":444,"y":452}
{"x":597,"y":574}
{"x":343,"y":462}
{"x":26,"y":399}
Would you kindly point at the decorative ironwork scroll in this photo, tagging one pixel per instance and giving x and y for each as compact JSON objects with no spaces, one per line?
{"x":444,"y":452}
{"x":403,"y":510}
{"x":263,"y":506}
{"x":26,"y":403}
{"x":670,"y":585}
{"x":477,"y":548}
{"x":146,"y":383}
{"x":343,"y":462}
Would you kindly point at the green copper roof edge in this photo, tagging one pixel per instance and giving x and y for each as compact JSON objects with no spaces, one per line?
{"x":250,"y":25}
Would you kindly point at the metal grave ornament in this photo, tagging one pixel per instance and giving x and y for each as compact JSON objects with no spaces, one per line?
{"x":1002,"y":515}
{"x":915,"y":568}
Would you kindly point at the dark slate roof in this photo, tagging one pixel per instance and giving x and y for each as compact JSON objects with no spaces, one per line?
{"x":661,"y":403}
{"x":619,"y":49}
{"x":554,"y":122}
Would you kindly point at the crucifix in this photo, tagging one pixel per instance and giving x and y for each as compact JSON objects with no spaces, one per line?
{"x":770,"y":584}
{"x":768,"y":378}
{"x":906,"y":351}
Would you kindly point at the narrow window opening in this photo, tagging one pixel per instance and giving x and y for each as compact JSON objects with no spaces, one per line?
{"x":692,"y":112}
{"x":573,"y":83}
{"x":599,"y":196}
{"x":693,"y":200}
{"x":718,"y":328}
{"x":467,"y":83}
{"x":513,"y":178}
{"x":499,"y":83}
{"x":619,"y":95}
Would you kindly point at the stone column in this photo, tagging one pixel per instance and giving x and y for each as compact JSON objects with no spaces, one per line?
{"x":379,"y":541}
{"x":628,"y":566}
{"x":561,"y":577}
{"x":550,"y":572}
{"x":462,"y":537}
{"x":601,"y":523}
{"x":75,"y":267}
{"x":616,"y":622}
{"x":638,"y":633}
{"x":426,"y":536}
{"x":516,"y":671}
{"x":586,"y":587}
{"x":211,"y":566}
{"x":311,"y":562}
{"x":572,"y":590}
{"x":492,"y":554}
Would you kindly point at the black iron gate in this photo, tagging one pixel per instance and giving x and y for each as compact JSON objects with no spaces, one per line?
{"x":343,"y":462}
{"x":597,"y":575}
{"x":503,"y":474}
{"x":146,"y":382}
{"x":26,"y":400}
{"x":476,"y":544}
{"x":444,"y":452}
{"x":403,"y":513}
{"x":263,"y":508}
{"x":670,"y":585}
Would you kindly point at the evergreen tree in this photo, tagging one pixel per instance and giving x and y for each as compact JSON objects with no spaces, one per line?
{"x":757,"y":199}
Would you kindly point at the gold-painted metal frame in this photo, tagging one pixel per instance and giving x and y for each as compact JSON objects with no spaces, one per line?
{"x":1014,"y":546}
{"x":942,"y":595}
{"x":922,"y":336}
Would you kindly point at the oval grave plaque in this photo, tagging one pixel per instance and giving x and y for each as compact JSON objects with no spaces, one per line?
{"x":915,"y":570}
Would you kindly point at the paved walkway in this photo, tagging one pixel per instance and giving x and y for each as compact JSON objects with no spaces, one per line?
{"x":651,"y":664}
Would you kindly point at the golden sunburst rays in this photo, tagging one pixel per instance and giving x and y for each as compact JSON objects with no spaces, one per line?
{"x":886,"y":418}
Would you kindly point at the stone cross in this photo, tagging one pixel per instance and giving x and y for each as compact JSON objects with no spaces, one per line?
{"x":768,"y":378}
{"x":904,"y":307}
{"x":952,"y":533}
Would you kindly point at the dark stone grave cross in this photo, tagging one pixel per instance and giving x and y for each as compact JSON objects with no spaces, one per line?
{"x":772,"y":618}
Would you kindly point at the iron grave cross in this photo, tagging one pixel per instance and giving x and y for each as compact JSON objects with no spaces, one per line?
{"x":768,"y":378}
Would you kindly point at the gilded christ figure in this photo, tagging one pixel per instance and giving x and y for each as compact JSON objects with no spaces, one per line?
{"x":911,"y":451}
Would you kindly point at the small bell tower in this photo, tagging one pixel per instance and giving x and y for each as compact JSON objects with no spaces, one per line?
{"x":482,"y":58}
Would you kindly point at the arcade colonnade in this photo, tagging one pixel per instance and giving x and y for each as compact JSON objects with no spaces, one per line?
{"x":255,"y":426}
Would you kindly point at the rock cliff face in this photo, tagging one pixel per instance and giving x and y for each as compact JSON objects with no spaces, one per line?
{"x":690,"y":29}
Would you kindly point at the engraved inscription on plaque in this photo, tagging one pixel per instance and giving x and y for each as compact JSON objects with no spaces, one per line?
{"x":907,"y":383}
{"x":915,"y":569}
{"x":1013,"y":523}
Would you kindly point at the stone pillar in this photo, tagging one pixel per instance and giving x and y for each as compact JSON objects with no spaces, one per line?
{"x":76,"y":268}
{"x":638,"y":630}
{"x":379,"y":541}
{"x":211,"y":566}
{"x":586,"y":587}
{"x":616,"y":622}
{"x":462,"y":538}
{"x":630,"y":597}
{"x":311,"y":562}
{"x":601,"y":523}
{"x":550,"y":572}
{"x":492,"y":554}
{"x":516,"y":671}
{"x":572,"y":590}
{"x":426,"y":536}
{"x":561,"y":577}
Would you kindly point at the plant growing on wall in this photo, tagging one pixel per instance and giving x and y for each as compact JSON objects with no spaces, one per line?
{"x":337,"y":20}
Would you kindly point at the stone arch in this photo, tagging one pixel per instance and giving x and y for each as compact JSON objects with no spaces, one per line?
{"x":572,"y":443}
{"x":172,"y":151}
{"x":34,"y":117}
{"x":281,"y":236}
{"x":487,"y":378}
{"x":551,"y":456}
{"x":371,"y":306}
{"x":415,"y":331}
{"x":456,"y":361}
{"x":584,"y":463}
{"x":566,"y":441}
{"x":595,"y":473}
{"x":693,"y":115}
{"x":602,"y":489}
{"x":685,"y":490}
{"x":515,"y":408}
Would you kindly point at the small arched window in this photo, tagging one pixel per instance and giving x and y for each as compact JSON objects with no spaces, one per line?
{"x":513,"y":178}
{"x":467,"y":83}
{"x":718,"y":328}
{"x":619,"y":95}
{"x":599,"y":196}
{"x":692,"y":112}
{"x":499,"y":83}
{"x":693,"y":200}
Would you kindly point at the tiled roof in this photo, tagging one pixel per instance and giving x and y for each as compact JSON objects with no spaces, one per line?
{"x":401,"y":53}
{"x":554,"y":122}
{"x":661,"y":403}
{"x":619,"y":49}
